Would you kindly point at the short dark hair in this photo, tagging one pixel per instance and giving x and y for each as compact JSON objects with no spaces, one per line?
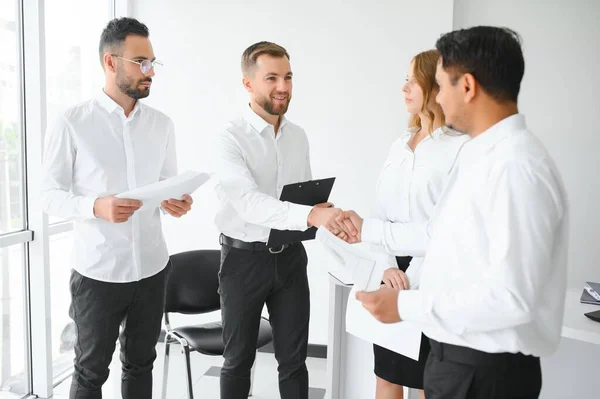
{"x":492,"y":55}
{"x":117,"y":31}
{"x":252,"y":53}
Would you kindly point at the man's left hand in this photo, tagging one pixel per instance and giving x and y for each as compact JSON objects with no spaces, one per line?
{"x":178,"y":208}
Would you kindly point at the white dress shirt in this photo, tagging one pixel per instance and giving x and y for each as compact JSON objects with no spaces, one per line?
{"x":410,"y":183}
{"x":494,"y":275}
{"x":252,"y":166}
{"x":93,"y":151}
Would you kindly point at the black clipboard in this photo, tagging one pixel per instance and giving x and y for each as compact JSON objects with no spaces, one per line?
{"x":309,"y":193}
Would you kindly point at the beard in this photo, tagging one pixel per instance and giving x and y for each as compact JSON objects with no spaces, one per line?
{"x":459,"y":121}
{"x":453,"y":127}
{"x":277,"y":110}
{"x":126,"y":85}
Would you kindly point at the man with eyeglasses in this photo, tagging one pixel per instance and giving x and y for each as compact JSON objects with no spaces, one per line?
{"x":111,"y":144}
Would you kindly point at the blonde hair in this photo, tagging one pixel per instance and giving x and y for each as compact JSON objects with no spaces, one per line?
{"x":252,"y":53}
{"x":424,"y":66}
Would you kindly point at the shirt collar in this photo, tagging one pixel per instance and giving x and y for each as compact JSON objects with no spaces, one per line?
{"x":111,"y":106}
{"x":412,"y":130}
{"x":258,"y":123}
{"x":440,"y":131}
{"x":493,"y":135}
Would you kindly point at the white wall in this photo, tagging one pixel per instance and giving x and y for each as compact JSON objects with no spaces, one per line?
{"x":349,"y":59}
{"x":559,"y":98}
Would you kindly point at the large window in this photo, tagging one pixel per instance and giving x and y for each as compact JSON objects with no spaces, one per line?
{"x":13,"y":345}
{"x":11,"y":143}
{"x":64,"y":59}
{"x":14,"y":365}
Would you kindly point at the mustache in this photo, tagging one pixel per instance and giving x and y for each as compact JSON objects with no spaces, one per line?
{"x":146,"y":80}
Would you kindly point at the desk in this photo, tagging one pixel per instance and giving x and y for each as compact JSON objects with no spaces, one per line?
{"x":350,"y":360}
{"x":575,"y":324}
{"x":572,"y":371}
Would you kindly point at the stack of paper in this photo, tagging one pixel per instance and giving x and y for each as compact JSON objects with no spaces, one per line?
{"x":153,"y":194}
{"x":366,"y":269}
{"x":591,"y":293}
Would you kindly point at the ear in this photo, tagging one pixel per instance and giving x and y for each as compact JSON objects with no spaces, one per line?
{"x":109,"y":63}
{"x":469,"y":87}
{"x":247,"y":84}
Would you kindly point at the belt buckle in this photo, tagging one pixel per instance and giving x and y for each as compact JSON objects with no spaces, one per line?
{"x":280,"y":250}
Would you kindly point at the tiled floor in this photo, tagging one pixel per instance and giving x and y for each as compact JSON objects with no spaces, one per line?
{"x":205,"y":372}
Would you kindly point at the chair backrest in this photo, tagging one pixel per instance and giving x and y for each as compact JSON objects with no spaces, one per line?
{"x":194,"y":282}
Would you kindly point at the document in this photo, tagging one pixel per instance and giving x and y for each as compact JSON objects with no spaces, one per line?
{"x":366,"y":269}
{"x":403,"y":337}
{"x":175,"y":187}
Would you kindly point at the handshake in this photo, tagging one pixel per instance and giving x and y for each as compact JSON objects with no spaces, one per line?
{"x":346,"y":225}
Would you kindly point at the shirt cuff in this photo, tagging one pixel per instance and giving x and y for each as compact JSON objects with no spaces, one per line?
{"x":87,"y":207}
{"x":413,"y":273}
{"x":298,"y":216}
{"x":411,"y":305}
{"x":413,"y":281}
{"x":372,"y":231}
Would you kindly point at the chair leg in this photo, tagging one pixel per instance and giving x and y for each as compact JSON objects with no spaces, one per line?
{"x":252,"y":377}
{"x":186,"y":350}
{"x":165,"y":368}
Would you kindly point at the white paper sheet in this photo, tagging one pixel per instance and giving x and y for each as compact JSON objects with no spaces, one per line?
{"x":153,"y":194}
{"x":366,"y":269}
{"x":403,"y":337}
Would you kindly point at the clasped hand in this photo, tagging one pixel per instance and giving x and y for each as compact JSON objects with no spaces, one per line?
{"x":346,"y":225}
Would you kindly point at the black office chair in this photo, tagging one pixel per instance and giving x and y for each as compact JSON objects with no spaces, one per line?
{"x":192,"y":289}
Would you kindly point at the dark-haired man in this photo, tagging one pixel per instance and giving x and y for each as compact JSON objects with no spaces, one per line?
{"x":107,"y":145}
{"x":492,"y":291}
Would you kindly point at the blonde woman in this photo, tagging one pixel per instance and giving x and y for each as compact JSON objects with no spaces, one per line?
{"x":409,"y":186}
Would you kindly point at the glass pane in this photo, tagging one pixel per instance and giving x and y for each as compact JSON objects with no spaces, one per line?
{"x":14,"y":375}
{"x":73,"y":70}
{"x":11,"y":160}
{"x":63,"y":331}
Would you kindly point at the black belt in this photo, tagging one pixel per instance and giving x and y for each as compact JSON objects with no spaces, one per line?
{"x":474,"y":357}
{"x":250,"y":246}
